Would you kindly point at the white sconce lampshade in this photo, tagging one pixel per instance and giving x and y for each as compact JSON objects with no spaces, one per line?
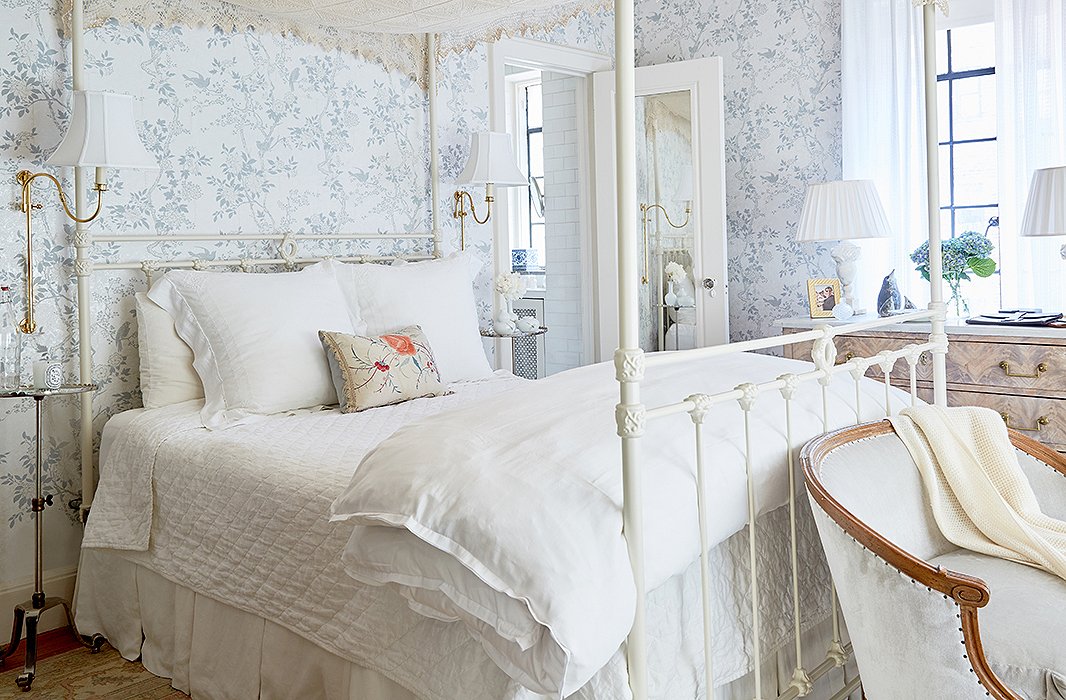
{"x":684,"y":188}
{"x":843,"y":210}
{"x":492,"y":162}
{"x":1045,"y":209}
{"x":102,"y":134}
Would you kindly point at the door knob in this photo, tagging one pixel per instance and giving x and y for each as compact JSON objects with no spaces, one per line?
{"x":708,"y":283}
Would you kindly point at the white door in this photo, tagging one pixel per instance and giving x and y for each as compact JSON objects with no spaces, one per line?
{"x":679,"y":212}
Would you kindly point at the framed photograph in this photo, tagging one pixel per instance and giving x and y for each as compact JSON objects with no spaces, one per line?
{"x":822,"y":295}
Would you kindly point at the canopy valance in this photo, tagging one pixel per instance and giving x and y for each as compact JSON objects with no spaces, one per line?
{"x":391,"y":32}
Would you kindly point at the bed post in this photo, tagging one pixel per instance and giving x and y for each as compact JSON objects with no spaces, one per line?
{"x":936,"y":262}
{"x":82,"y":269}
{"x":434,"y":151}
{"x":630,"y":413}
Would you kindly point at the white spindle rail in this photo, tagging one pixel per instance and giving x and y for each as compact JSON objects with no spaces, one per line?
{"x":631,"y":365}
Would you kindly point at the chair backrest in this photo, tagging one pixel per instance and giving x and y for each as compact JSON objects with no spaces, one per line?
{"x":871,"y":474}
{"x":908,"y":620}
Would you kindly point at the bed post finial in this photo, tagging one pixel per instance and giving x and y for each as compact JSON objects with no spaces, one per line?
{"x":701,"y":406}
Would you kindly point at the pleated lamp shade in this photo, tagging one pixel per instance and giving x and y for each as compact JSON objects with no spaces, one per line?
{"x":1045,"y":209}
{"x":102,"y":134}
{"x":492,"y":162}
{"x":843,"y":210}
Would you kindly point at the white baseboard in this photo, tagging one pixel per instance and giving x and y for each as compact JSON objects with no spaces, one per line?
{"x":57,"y":582}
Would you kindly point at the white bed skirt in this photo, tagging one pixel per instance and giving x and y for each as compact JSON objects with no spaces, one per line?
{"x":213,"y":651}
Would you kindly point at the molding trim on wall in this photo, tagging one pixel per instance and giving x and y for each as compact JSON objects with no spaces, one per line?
{"x":57,"y":582}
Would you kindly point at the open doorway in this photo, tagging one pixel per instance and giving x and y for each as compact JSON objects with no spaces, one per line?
{"x":541,"y":95}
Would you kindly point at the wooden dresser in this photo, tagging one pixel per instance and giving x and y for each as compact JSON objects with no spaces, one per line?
{"x":1021,"y":373}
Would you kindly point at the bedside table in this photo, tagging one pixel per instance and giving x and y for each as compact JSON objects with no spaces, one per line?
{"x":1018,"y":372}
{"x":30,"y":612}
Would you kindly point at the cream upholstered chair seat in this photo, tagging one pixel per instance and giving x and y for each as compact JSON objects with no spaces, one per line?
{"x":928,"y":620}
{"x":1023,"y":627}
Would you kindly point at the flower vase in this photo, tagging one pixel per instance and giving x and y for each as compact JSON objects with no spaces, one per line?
{"x":671,"y":298}
{"x":505,"y":319}
{"x":957,"y":302}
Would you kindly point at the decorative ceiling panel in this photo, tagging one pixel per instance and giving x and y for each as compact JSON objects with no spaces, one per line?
{"x":391,"y":32}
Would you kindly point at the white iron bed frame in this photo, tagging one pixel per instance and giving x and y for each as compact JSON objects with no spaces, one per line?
{"x":630,"y":361}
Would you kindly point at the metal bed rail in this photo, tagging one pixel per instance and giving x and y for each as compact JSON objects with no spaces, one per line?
{"x":746,"y":396}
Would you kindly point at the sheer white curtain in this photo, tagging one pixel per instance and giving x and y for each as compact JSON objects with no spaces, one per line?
{"x":884,"y":132}
{"x":1031,"y":72}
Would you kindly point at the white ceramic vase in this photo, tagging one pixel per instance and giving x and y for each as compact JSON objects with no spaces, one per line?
{"x":506,"y":319}
{"x":671,"y":298}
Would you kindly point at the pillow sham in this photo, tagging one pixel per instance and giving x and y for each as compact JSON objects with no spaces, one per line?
{"x":167,"y":374}
{"x":254,"y":338}
{"x":436,"y":295}
{"x":371,"y":371}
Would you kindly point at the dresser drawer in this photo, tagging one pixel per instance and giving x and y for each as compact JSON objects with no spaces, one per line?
{"x":849,"y":346}
{"x":1008,"y":366}
{"x":1039,"y":418}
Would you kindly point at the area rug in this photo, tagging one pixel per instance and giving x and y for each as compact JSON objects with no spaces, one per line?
{"x":79,"y":675}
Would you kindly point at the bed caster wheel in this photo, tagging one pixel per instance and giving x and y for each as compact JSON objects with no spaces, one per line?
{"x":24,"y":681}
{"x":93,"y":642}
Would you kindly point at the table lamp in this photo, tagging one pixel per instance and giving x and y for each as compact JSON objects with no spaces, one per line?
{"x":1045,"y":208}
{"x":843,"y":211}
{"x":492,"y":164}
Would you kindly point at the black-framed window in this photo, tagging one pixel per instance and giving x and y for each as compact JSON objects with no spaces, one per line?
{"x":969,"y":186}
{"x":968,"y":150}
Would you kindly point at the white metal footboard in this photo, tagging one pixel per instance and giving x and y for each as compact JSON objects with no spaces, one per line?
{"x":747,"y":397}
{"x":631,"y":415}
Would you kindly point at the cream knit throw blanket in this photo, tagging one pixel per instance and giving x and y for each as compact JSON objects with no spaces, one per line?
{"x":980,"y":497}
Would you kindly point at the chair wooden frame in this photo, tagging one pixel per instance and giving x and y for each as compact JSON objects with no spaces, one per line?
{"x":969,"y":593}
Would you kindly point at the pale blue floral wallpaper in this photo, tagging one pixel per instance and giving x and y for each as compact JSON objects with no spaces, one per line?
{"x":256,"y":132}
{"x":783,"y":130}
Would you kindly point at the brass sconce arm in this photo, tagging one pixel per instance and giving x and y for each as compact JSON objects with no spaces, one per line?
{"x":25,"y":179}
{"x":645,"y":214}
{"x":461,"y":200}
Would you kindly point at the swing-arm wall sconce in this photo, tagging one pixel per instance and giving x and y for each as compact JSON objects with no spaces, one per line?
{"x":645,"y":215}
{"x":102,"y":134}
{"x":492,"y":164}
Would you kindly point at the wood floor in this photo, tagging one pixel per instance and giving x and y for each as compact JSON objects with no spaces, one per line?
{"x":68,"y":671}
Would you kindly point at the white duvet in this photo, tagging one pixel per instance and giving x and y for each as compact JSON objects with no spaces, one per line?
{"x":506,"y":514}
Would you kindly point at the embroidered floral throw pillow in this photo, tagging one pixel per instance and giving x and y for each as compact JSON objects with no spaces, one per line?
{"x":371,"y":371}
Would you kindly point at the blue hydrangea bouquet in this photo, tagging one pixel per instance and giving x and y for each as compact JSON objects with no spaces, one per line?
{"x":965,"y":256}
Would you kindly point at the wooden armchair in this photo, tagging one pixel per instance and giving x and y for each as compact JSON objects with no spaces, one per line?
{"x":911,"y":599}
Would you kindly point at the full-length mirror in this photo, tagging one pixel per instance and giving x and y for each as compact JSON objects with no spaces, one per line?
{"x":664,"y":192}
{"x":679,"y":207}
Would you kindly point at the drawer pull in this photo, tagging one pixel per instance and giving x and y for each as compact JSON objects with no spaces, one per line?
{"x":847,"y":358}
{"x":1040,"y":369}
{"x":925,"y":358}
{"x":1041,"y":422}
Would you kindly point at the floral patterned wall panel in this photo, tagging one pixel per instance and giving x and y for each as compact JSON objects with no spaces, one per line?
{"x":253,"y":133}
{"x":783,"y":130}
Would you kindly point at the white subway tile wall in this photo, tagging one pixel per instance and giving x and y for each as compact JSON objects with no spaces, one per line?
{"x":564,"y":344}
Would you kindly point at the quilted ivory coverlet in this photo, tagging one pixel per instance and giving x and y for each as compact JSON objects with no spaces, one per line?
{"x":506,"y":514}
{"x":241,"y":515}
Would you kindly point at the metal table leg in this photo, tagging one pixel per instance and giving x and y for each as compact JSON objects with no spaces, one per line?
{"x":29,"y":613}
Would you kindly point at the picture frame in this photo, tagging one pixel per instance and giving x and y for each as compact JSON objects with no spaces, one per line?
{"x":823,"y":294}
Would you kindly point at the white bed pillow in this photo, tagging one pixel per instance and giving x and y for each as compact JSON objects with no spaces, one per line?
{"x":167,"y":374}
{"x":254,"y":337}
{"x":437,"y":295}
